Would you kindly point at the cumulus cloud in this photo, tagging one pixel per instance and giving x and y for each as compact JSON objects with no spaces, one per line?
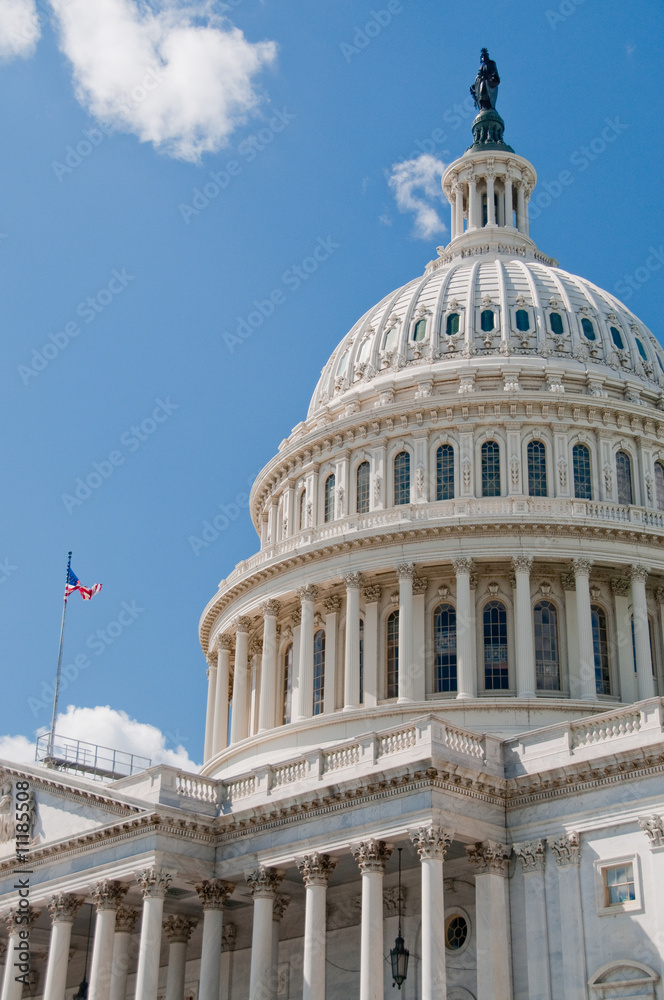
{"x":416,"y":187}
{"x":171,"y":73}
{"x":19,"y":28}
{"x":104,"y":726}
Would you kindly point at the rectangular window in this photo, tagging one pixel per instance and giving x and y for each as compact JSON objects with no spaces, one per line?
{"x":618,"y":885}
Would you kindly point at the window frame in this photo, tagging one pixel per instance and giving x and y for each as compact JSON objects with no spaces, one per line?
{"x":329,"y":496}
{"x":362,"y":462}
{"x":658,"y":464}
{"x":287,"y":682}
{"x":439,"y":447}
{"x":450,"y":913}
{"x":481,"y":661}
{"x":609,"y":658}
{"x":601,"y":865}
{"x":392,"y":614}
{"x":630,"y":458}
{"x":451,"y":691}
{"x":582,"y":444}
{"x":530,"y":476}
{"x":483,"y":495}
{"x":318,"y":698}
{"x":553,"y":692}
{"x":397,"y":454}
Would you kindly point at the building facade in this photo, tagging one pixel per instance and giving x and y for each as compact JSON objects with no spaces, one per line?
{"x":449,"y":648}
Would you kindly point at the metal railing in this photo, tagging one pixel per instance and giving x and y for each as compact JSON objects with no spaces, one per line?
{"x":63,"y":753}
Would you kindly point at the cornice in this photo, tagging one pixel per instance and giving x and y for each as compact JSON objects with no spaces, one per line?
{"x":73,"y":793}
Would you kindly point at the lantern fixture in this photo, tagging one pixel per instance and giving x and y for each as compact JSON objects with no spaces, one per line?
{"x":399,"y":955}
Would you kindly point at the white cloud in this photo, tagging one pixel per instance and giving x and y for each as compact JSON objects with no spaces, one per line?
{"x":416,"y":187}
{"x":104,"y":726}
{"x":19,"y":28}
{"x":171,"y":73}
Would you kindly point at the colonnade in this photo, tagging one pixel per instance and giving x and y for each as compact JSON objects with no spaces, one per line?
{"x":362,"y":606}
{"x":467,"y":197}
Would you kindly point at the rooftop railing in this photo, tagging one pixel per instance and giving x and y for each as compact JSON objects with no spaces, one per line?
{"x":63,"y":753}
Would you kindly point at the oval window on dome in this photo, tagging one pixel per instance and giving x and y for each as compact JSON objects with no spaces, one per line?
{"x":616,"y":337}
{"x":588,"y":328}
{"x":420,"y":330}
{"x":456,"y":932}
{"x":522,"y":320}
{"x":343,"y":364}
{"x":452,"y":325}
{"x":556,"y":321}
{"x":487,"y":320}
{"x":641,"y":349}
{"x":390,"y":339}
{"x":365,"y":350}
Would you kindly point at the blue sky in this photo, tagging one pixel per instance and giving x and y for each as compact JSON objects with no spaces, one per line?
{"x":301,"y":110}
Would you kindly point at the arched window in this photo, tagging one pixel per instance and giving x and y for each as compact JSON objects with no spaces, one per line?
{"x":547,"y":656}
{"x":490,"y":469}
{"x":393,"y":655}
{"x":582,"y":478}
{"x":452,"y":324}
{"x":420,"y":330}
{"x":445,"y":472}
{"x":624,"y":477}
{"x":556,"y":323}
{"x":362,"y":488}
{"x":445,"y":647}
{"x":601,"y":649}
{"x":537,"y":469}
{"x":588,"y":328}
{"x":302,"y":510}
{"x":616,"y":337}
{"x":487,"y":320}
{"x":328,"y":513}
{"x":287,"y":692}
{"x":391,"y":339}
{"x":641,"y":349}
{"x":659,"y":485}
{"x":319,"y":671}
{"x":522,"y":320}
{"x":402,"y":478}
{"x":361,"y":661}
{"x":496,"y":677}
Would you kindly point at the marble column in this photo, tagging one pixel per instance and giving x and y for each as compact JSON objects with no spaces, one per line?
{"x":494,"y":949}
{"x":63,"y":908}
{"x":490,"y":199}
{"x":567,"y":850}
{"x":255,"y":658}
{"x":405,"y":572}
{"x":533,"y":858}
{"x":305,"y":694}
{"x":521,"y":208}
{"x":458,"y":193}
{"x":466,"y":669}
{"x":153,"y":883}
{"x":420,"y":585}
{"x":228,"y":938}
{"x":107,"y":896}
{"x":178,"y":931}
{"x":525,"y":646}
{"x":316,"y":870}
{"x":209,"y":714}
{"x":224,"y":646}
{"x":278,"y":910}
{"x":125,"y":924}
{"x":353,"y":582}
{"x":263,"y":883}
{"x":372,"y":596}
{"x":472,"y":203}
{"x":620,"y":588}
{"x":267,"y":709}
{"x":212,"y":893}
{"x":431,"y":843}
{"x":240,"y":714}
{"x":644,"y":678}
{"x":509,"y":202}
{"x":587,"y":682}
{"x":372,"y":856}
{"x":18,"y":922}
{"x":332,"y":607}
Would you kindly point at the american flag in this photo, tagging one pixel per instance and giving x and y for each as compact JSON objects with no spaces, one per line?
{"x":73,"y":583}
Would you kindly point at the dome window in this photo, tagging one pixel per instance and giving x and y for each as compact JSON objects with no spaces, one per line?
{"x":659,"y":485}
{"x":624,"y":478}
{"x":601,"y":649}
{"x":496,"y":673}
{"x":445,"y":646}
{"x":582,"y":477}
{"x":537,"y":469}
{"x":319,"y":672}
{"x":616,"y":337}
{"x":547,"y":659}
{"x":556,"y":321}
{"x":487,"y":320}
{"x":522,"y":320}
{"x":393,"y":655}
{"x":362,"y":488}
{"x":402,"y":478}
{"x":343,"y":365}
{"x":328,"y":511}
{"x":445,"y":472}
{"x":287,"y":692}
{"x":419,"y":331}
{"x":490,"y":469}
{"x":641,"y":349}
{"x":391,"y":338}
{"x":452,"y":325}
{"x":588,"y":328}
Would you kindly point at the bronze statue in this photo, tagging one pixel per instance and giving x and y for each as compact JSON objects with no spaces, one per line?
{"x":485,"y":89}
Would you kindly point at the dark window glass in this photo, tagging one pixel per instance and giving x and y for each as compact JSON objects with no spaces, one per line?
{"x":537,"y":469}
{"x":362,"y":488}
{"x":624,"y":477}
{"x":496,"y":676}
{"x":445,"y":647}
{"x":490,"y":469}
{"x":641,"y":349}
{"x":420,"y":330}
{"x":522,"y":320}
{"x":582,"y":478}
{"x":659,"y":485}
{"x":287,"y":693}
{"x":556,"y":321}
{"x":452,"y":325}
{"x":445,"y":472}
{"x":547,"y":657}
{"x":616,"y":336}
{"x":393,"y":655}
{"x":319,"y":671}
{"x":402,"y":478}
{"x":361,"y":661}
{"x":302,"y":510}
{"x":601,"y":650}
{"x":329,"y":498}
{"x":588,"y":328}
{"x":487,"y":320}
{"x":456,"y":933}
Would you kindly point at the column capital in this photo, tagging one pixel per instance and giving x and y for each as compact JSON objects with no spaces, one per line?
{"x":228,"y":936}
{"x":372,"y":855}
{"x":567,"y":849}
{"x":568,"y":581}
{"x":213,"y":893}
{"x":316,"y":868}
{"x":63,"y":907}
{"x":224,"y":641}
{"x":582,"y":566}
{"x":107,"y":894}
{"x":16,"y":920}
{"x":420,"y":584}
{"x":154,"y":882}
{"x":125,"y":919}
{"x":405,"y":571}
{"x":462,"y":565}
{"x":279,"y":907}
{"x":431,"y":842}
{"x":353,"y":581}
{"x":211,"y":661}
{"x":653,"y":827}
{"x":332,"y":605}
{"x":308,"y":593}
{"x":638,"y":572}
{"x":242,"y":624}
{"x":178,"y":928}
{"x":255,"y":646}
{"x":372,"y":594}
{"x":489,"y":858}
{"x":522,"y":564}
{"x":264,"y":882}
{"x":532,"y":855}
{"x":270,"y":608}
{"x":619,"y":587}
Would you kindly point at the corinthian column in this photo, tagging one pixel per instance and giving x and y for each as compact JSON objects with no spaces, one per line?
{"x":212,"y":893}
{"x":353,"y":583}
{"x":178,"y":931}
{"x":125,"y":923}
{"x":494,"y":963}
{"x":316,"y":869}
{"x":533,"y":857}
{"x":432,"y":843}
{"x":153,"y":883}
{"x":240,"y":715}
{"x":267,"y":709}
{"x":406,"y":572}
{"x":567,"y":851}
{"x":466,"y":671}
{"x":303,"y":699}
{"x":17,"y":920}
{"x":525,"y":646}
{"x":372,"y":856}
{"x":584,"y":626}
{"x":263,"y":883}
{"x":63,"y":908}
{"x":107,"y":897}
{"x":644,"y":678}
{"x":224,"y":645}
{"x":209,"y":715}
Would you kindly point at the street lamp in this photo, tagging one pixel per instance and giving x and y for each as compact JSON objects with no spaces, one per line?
{"x":399,"y":955}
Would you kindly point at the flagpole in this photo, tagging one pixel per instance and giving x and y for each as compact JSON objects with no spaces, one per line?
{"x":57,"y":676}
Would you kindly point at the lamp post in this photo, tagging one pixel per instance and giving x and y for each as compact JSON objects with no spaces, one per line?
{"x":399,"y":955}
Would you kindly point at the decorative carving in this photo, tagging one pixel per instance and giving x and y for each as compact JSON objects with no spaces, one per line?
{"x":595,"y":592}
{"x":532,"y":855}
{"x":242,"y":624}
{"x":308,"y":593}
{"x":372,"y":594}
{"x":340,"y":500}
{"x":493,"y":588}
{"x":316,"y":868}
{"x":270,"y":608}
{"x":466,"y":384}
{"x":562,"y":473}
{"x":431,"y":842}
{"x":405,"y":571}
{"x":489,"y":858}
{"x":514,"y":471}
{"x":567,"y":849}
{"x":154,"y":882}
{"x":392,"y":899}
{"x":353,"y":581}
{"x":377,"y":489}
{"x":125,"y":919}
{"x":224,"y":641}
{"x":178,"y":929}
{"x":637,"y":572}
{"x":649,"y":486}
{"x":443,"y":590}
{"x":332,"y":605}
{"x":279,"y":907}
{"x":420,"y":584}
{"x":256,"y":646}
{"x":372,"y":855}
{"x":264,"y":882}
{"x":228,"y":936}
{"x":419,"y":482}
{"x":653,"y":827}
{"x":8,"y":814}
{"x":545,"y":588}
{"x":17,"y":919}
{"x":296,"y":617}
{"x":108,"y":895}
{"x":568,"y":581}
{"x":511,"y":381}
{"x":465,"y":472}
{"x":522,"y":564}
{"x":462,"y":565}
{"x":608,"y":480}
{"x":582,"y":566}
{"x":63,"y":907}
